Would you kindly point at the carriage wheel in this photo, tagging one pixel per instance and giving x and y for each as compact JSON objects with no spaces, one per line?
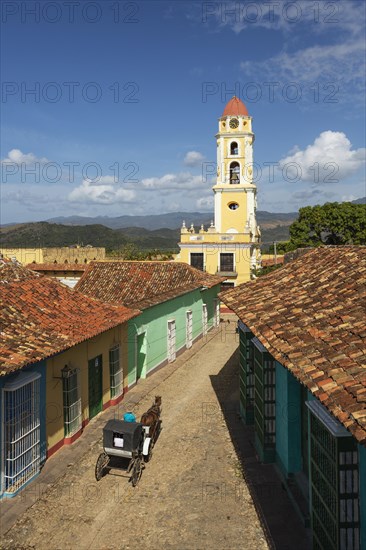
{"x":100,"y":466}
{"x":136,"y":472}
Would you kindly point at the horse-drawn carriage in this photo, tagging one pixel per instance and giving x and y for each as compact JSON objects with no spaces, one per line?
{"x":128,"y":445}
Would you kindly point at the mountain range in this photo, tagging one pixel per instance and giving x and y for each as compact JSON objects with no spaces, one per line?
{"x":146,"y":232}
{"x":171,"y":220}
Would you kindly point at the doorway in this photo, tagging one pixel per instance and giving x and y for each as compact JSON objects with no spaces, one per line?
{"x":141,"y":355}
{"x":216,"y":312}
{"x":95,"y":371}
{"x":204,"y":319}
{"x":189,"y":329}
{"x":171,"y":341}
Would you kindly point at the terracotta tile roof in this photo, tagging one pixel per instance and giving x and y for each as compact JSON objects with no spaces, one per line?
{"x":40,"y":317}
{"x":142,"y":284}
{"x":310,"y":315}
{"x":235,"y":107}
{"x":56,"y":267}
{"x":269,"y":262}
{"x":11,"y":271}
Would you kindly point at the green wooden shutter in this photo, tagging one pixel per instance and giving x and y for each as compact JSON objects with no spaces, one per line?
{"x":334,"y":482}
{"x":264,"y":402}
{"x":246,"y":374}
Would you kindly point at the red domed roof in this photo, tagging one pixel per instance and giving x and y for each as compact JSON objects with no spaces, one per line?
{"x":235,"y":107}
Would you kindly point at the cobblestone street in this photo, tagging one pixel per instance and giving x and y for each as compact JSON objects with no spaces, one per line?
{"x":192,"y":495}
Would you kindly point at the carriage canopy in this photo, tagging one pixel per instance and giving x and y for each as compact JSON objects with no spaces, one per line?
{"x":122,"y":435}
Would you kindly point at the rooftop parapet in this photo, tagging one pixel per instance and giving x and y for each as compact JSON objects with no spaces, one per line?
{"x":211,"y":235}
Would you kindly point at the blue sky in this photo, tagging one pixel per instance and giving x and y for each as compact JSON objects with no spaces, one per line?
{"x":126,"y":97}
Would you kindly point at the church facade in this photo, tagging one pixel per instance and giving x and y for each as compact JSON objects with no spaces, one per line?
{"x":230,"y":246}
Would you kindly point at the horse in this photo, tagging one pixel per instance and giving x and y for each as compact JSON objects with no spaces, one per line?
{"x":151,"y":417}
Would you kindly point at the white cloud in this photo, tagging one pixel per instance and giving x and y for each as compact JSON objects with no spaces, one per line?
{"x":205,"y":203}
{"x":313,"y":63}
{"x":182,"y":181}
{"x":16,"y":156}
{"x":328,"y":160}
{"x":343,"y":15}
{"x":101,"y":192}
{"x":193,"y":158}
{"x":317,"y":194}
{"x":26,"y":197}
{"x":321,"y":74}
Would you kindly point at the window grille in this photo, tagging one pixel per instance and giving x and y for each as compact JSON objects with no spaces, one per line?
{"x":197,"y":260}
{"x":264,"y":401}
{"x":21,"y":431}
{"x":227,"y":261}
{"x":72,"y":401}
{"x":334,"y":483}
{"x":246,"y":376}
{"x":116,"y":372}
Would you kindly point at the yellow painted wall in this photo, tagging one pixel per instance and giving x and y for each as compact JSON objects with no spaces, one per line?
{"x":23,"y":255}
{"x":61,"y":254}
{"x":233,"y":218}
{"x":78,"y":357}
{"x":233,"y":227}
{"x":58,"y":254}
{"x":245,"y":125}
{"x":211,"y":258}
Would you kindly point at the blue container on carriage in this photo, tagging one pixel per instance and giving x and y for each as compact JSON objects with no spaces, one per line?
{"x":129,"y":417}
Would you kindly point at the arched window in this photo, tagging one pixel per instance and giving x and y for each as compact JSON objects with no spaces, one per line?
{"x":234,"y":172}
{"x":234,"y":150}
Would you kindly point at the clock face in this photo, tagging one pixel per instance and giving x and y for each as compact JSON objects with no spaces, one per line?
{"x":234,"y":123}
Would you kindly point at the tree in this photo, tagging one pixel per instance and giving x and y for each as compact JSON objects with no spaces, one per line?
{"x":281,"y":247}
{"x":331,"y":224}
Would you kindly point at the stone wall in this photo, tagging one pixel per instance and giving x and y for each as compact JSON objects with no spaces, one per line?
{"x":65,"y":254}
{"x":68,"y":255}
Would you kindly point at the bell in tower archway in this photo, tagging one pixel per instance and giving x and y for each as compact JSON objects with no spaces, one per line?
{"x":234,"y":172}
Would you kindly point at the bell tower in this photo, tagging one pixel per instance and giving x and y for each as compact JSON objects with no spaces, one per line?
{"x":229,"y":247}
{"x":234,"y":192}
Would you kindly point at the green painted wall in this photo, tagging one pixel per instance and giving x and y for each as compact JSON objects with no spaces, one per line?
{"x":288,"y":421}
{"x":154,"y":323}
{"x":362,"y":481}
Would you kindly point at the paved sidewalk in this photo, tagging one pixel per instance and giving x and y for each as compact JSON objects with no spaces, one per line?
{"x":56,"y":466}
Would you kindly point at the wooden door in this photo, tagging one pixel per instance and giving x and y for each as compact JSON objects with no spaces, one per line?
{"x":95,"y":370}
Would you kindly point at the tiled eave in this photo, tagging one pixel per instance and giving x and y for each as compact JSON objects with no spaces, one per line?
{"x":142,"y":284}
{"x":310,"y":316}
{"x":57,"y":267}
{"x":40,"y":318}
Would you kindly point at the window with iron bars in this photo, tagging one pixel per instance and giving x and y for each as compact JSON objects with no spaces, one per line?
{"x":226,"y":261}
{"x":197,"y":260}
{"x":71,"y":400}
{"x":116,"y":372}
{"x":21,"y":433}
{"x":334,"y":484}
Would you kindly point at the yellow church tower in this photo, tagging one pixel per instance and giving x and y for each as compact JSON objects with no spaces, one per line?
{"x":230,"y":246}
